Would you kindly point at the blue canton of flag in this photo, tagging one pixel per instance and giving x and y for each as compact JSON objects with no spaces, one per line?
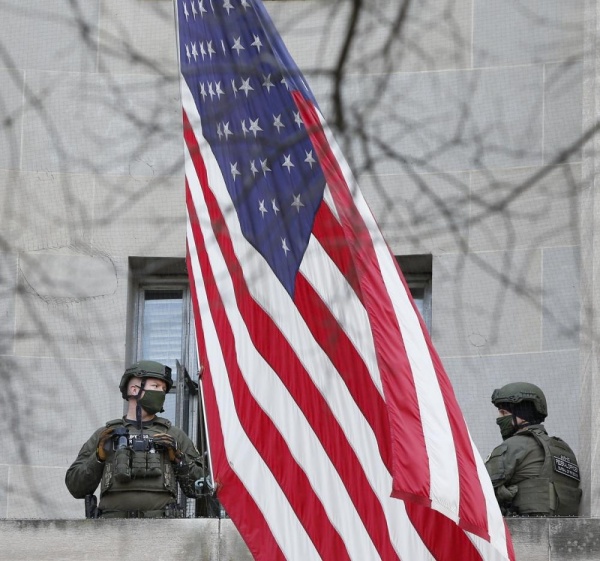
{"x":241,"y":77}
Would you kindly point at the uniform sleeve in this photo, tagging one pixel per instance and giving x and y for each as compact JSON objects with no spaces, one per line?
{"x":501,"y":465}
{"x":496,"y":466}
{"x":85,"y":473}
{"x":192,"y":467}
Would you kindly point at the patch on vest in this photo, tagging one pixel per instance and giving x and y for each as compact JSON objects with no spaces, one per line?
{"x":565,"y":466}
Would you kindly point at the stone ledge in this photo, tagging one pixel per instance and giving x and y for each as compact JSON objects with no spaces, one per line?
{"x":555,"y":539}
{"x":535,"y":539}
{"x":190,"y":539}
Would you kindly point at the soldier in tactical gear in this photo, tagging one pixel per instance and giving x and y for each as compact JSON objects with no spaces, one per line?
{"x":533,"y":474}
{"x":140,"y":459}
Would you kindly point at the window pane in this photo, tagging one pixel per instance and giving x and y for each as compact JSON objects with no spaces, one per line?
{"x":418,"y":294}
{"x":162,"y":327}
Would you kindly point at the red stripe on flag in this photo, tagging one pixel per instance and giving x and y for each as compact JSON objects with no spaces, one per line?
{"x":509,"y":543}
{"x":275,"y":349}
{"x":231,"y":492}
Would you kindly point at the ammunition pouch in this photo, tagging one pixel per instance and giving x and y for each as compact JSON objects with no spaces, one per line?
{"x":170,"y":482}
{"x":133,"y":470}
{"x":145,"y":464}
{"x":122,"y":465}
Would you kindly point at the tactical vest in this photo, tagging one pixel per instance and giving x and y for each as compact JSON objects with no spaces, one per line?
{"x":556,"y":491}
{"x":127,"y":469}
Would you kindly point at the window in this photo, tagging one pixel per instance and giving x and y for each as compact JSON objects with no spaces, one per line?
{"x":162,"y":329}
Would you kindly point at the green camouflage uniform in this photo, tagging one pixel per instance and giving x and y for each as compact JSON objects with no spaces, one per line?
{"x":534,"y":474}
{"x":153,"y":482}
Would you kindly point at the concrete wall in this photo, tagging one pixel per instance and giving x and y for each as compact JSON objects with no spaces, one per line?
{"x":104,"y":540}
{"x":542,"y":539}
{"x":470,"y":149}
{"x":90,"y":174}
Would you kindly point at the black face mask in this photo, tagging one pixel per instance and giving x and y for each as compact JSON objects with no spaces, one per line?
{"x":507,"y":427}
{"x":152,"y":401}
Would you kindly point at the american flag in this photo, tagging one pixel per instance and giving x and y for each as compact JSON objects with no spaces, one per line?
{"x":334,"y":432}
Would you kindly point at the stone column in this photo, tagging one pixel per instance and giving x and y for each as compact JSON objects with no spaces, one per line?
{"x":590,"y":267}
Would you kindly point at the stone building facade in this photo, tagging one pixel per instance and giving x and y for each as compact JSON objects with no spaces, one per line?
{"x":471,"y":126}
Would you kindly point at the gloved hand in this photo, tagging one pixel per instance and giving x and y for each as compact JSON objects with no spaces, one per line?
{"x":506,"y":494}
{"x":166,"y":441}
{"x":105,"y":435}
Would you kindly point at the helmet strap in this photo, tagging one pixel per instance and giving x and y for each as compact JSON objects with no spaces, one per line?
{"x":138,"y":407}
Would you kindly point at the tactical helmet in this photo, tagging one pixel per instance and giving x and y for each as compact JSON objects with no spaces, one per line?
{"x":146,"y":369}
{"x":518,"y":392}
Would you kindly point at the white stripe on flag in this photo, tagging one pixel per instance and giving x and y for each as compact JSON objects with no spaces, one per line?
{"x":496,"y":523}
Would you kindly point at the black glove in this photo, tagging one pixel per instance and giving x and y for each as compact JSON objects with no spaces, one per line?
{"x":105,"y":435}
{"x":168,"y":443}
